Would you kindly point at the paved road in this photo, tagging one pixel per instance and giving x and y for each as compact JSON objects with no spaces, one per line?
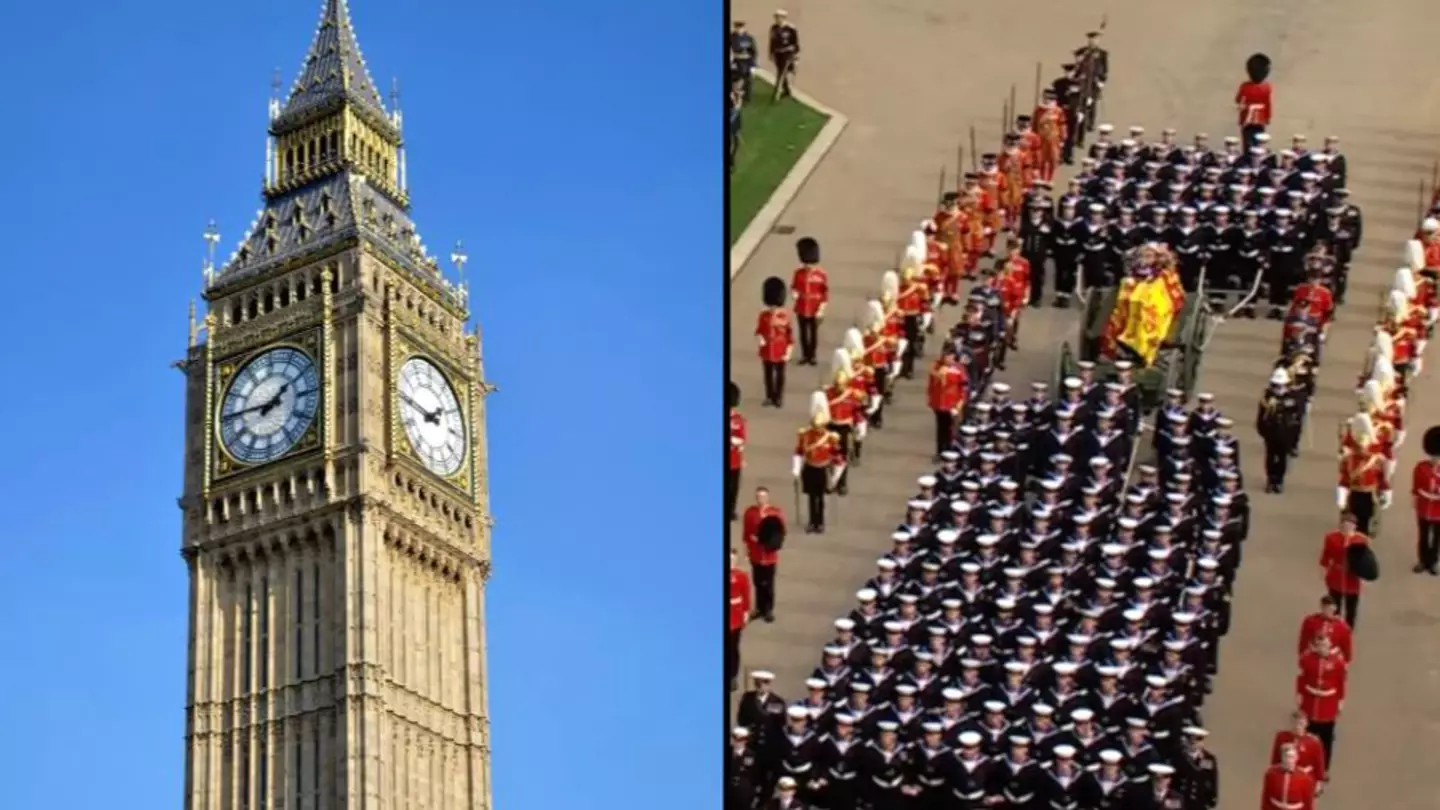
{"x":904,"y":71}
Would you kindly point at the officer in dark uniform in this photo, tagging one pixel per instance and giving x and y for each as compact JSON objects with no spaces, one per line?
{"x":1283,"y":242}
{"x":1197,"y":772}
{"x":1068,"y":231}
{"x":1094,"y":68}
{"x":784,"y":53}
{"x":1278,"y":421}
{"x":1037,"y":237}
{"x":743,"y":774}
{"x":1095,"y":244}
{"x":744,"y":53}
{"x":1067,"y":93}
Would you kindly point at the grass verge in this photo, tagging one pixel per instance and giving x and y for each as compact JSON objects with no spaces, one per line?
{"x":773,"y":136}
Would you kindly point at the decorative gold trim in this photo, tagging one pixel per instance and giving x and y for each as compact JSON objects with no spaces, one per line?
{"x":402,"y":352}
{"x":209,"y":416}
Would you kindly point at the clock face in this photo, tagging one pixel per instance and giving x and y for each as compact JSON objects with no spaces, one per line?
{"x":432,"y":418}
{"x":270,"y":404}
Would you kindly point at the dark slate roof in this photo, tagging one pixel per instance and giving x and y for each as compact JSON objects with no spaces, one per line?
{"x":312,"y":219}
{"x":334,"y":71}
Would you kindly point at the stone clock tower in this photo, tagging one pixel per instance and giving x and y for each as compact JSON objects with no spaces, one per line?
{"x":336,"y":518}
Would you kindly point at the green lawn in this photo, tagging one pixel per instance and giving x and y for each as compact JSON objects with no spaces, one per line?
{"x":773,"y":136}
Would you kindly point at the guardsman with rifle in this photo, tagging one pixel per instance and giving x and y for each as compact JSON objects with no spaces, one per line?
{"x":784,"y":53}
{"x":1425,"y":493}
{"x":775,"y":334}
{"x":1252,"y":99}
{"x":810,"y":290}
{"x":1363,"y":484}
{"x":818,"y":462}
{"x":949,"y":388}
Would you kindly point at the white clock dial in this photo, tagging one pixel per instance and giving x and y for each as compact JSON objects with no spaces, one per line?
{"x":269,"y":405}
{"x":431,"y":414}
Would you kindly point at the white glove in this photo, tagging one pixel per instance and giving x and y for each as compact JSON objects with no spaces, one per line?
{"x":1399,"y":438}
{"x":860,"y":431}
{"x":925,"y":320}
{"x":1385,"y":499}
{"x":1416,"y":365}
{"x":1341,"y":493}
{"x":900,"y":348}
{"x":736,"y":441}
{"x":1390,"y":469}
{"x":1432,"y":315}
{"x":795,"y":462}
{"x":875,"y":403}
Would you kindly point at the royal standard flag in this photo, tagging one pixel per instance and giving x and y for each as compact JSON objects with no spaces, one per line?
{"x":1149,"y":311}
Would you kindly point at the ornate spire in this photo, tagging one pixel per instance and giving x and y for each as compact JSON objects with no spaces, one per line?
{"x":333,"y":73}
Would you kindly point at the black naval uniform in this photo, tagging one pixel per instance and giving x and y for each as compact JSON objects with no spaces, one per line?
{"x":1278,"y":421}
{"x":1037,"y":236}
{"x":785,"y":53}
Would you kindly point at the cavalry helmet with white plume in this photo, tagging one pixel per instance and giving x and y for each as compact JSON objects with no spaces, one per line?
{"x":1371,"y":396}
{"x":1404,"y":283}
{"x":1384,"y":373}
{"x":1415,"y":255}
{"x":1362,"y":428}
{"x":854,"y":344}
{"x":819,"y":409}
{"x":1280,"y":377}
{"x":890,"y":286}
{"x":919,"y":243}
{"x":840,"y":366}
{"x":874,"y":314}
{"x":1383,"y":345}
{"x":1398,"y":303}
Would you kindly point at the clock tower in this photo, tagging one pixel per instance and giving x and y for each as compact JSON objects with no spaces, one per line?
{"x":336,"y":523}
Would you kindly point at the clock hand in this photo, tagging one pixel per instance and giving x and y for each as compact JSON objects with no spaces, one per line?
{"x":432,"y":418}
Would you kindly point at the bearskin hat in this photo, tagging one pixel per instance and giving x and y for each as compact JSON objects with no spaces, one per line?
{"x":1257,"y":67}
{"x":1432,"y":441}
{"x":770,"y":533}
{"x":808,"y":250}
{"x":732,"y":394}
{"x":772,"y":292}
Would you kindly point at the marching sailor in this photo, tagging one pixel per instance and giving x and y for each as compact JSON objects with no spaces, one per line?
{"x":1279,"y":422}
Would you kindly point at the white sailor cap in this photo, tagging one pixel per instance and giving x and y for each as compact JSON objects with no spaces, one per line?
{"x":1180,"y":441}
{"x":1124,"y":365}
{"x":1019,"y":741}
{"x":833,"y":651}
{"x":866,"y":594}
{"x":905,"y":690}
{"x":1134,"y":614}
{"x":1079,"y":639}
{"x":1106,"y":583}
{"x":1000,"y":387}
{"x":1073,"y":545}
{"x":1043,"y":709}
{"x":797,"y":713}
{"x":894,"y":627}
{"x":1026,"y":641}
{"x":926,"y":481}
{"x":1182,"y":478}
{"x":932,"y":727}
{"x":1176,"y":417}
{"x":1112,"y":549}
{"x":1044,"y":608}
{"x":950,"y":603}
{"x":740,"y":733}
{"x":981,"y":640}
{"x":947,"y":536}
{"x":1208,"y":563}
{"x":1263,"y":137}
{"x":860,"y":686}
{"x":1106,"y":671}
{"x":881,"y":651}
{"x":1148,"y":469}
{"x":1159,"y":553}
{"x":1195,"y":731}
{"x":984,"y":407}
{"x":1174,"y":646}
{"x":1086,"y":365}
{"x":1015,"y":667}
{"x":1211,"y":534}
{"x":846,"y":719}
{"x":969,"y":430}
{"x":962,"y":507}
{"x":1008,"y":485}
{"x":1039,"y":386}
{"x":1082,"y":715}
{"x":1204,"y":396}
{"x":908,"y":598}
{"x":1005,"y":602}
{"x":1143,"y":583}
{"x":1130,"y":522}
{"x":1051,"y":484}
{"x":786,"y":783}
{"x":1063,"y":751}
{"x":1111,"y":757}
{"x":1127,"y":143}
{"x":1099,"y":461}
{"x":1156,"y":681}
{"x":886,"y":564}
{"x":950,"y":455}
{"x":1182,"y":617}
{"x":987,"y":540}
{"x":1096,"y":208}
{"x":1231,"y":140}
{"x":1287,"y":153}
{"x":1073,"y":383}
{"x":845,"y":623}
{"x":888,"y":726}
{"x":1220,"y":209}
{"x":971,"y":739}
{"x":1106,"y":128}
{"x":928,"y":565}
{"x":1137,"y":722}
{"x":969,"y":568}
{"x":952,"y":695}
{"x":762,"y":675}
{"x":991,"y":457}
{"x":1065,"y":668}
{"x":1284,"y":213}
{"x":1187,"y":210}
{"x":1134,"y":498}
{"x":1083,"y":519}
{"x":1162,"y":770}
{"x":970,"y":663}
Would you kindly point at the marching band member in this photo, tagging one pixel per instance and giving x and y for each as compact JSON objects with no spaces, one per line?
{"x":1364,"y":481}
{"x":846,"y":409}
{"x":865,"y":387}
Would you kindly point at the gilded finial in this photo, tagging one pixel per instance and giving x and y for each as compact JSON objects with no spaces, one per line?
{"x":395,"y":116}
{"x":275,"y":94}
{"x":194,"y":328}
{"x":212,"y":238}
{"x":459,"y":259}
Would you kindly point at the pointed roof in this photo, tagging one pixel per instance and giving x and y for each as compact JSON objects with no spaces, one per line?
{"x":333,"y":73}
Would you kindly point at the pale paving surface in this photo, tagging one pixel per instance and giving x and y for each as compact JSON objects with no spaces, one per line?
{"x":903,"y":70}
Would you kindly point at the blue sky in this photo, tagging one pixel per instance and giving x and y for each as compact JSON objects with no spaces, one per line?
{"x":584,"y":178}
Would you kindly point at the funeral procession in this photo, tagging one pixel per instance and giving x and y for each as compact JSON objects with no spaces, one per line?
{"x":1021,"y":600}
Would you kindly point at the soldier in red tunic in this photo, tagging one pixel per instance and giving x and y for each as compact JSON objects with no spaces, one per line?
{"x":864,"y":386}
{"x":1051,"y":126}
{"x":810,"y":289}
{"x":1252,"y":100}
{"x":739,"y":597}
{"x":1285,"y":786}
{"x":817,"y":462}
{"x":949,"y":384}
{"x":1340,"y":581}
{"x":1310,"y":753}
{"x":1364,"y":481}
{"x":736,"y":461}
{"x":1315,"y":296}
{"x":775,"y":334}
{"x":1326,"y":622}
{"x":1320,"y":691}
{"x":913,"y":302}
{"x":1425,"y":494}
{"x":846,"y":412}
{"x":764,"y":557}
